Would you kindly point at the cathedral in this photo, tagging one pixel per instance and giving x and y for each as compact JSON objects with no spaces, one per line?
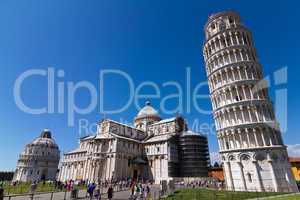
{"x":154,"y":149}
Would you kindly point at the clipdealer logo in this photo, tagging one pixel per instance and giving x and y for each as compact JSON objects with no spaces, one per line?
{"x":61,"y":96}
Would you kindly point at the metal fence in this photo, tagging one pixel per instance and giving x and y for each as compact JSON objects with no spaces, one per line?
{"x":59,"y":195}
{"x":82,"y":194}
{"x":177,"y":193}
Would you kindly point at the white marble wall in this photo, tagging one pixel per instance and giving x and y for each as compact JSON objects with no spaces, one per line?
{"x":261,"y":171}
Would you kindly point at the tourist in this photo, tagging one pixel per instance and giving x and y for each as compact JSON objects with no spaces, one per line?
{"x":147,"y":189}
{"x":68,"y":186}
{"x":142,"y":189}
{"x":33,"y":187}
{"x":110,"y":192}
{"x":90,"y":190}
{"x":1,"y":191}
{"x":132,"y":189}
{"x":98,"y":192}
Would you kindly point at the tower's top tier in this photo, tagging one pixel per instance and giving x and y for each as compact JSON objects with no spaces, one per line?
{"x":220,"y":22}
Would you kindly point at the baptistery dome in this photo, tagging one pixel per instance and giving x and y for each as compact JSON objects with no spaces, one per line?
{"x":45,"y":139}
{"x":39,"y":159}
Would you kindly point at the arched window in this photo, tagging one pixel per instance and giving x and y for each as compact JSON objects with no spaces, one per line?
{"x":222,"y":26}
{"x":213,"y":26}
{"x":230,"y":20}
{"x":249,"y":177}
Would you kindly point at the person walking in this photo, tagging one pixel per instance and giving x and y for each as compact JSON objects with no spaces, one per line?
{"x":132,"y":189}
{"x":1,"y":191}
{"x":147,"y":195}
{"x":91,"y":189}
{"x":33,"y":187}
{"x":98,"y":192}
{"x":110,"y":192}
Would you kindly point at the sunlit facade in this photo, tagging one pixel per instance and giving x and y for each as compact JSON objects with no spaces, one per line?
{"x":149,"y":150}
{"x":251,"y":147}
{"x":39,"y":160}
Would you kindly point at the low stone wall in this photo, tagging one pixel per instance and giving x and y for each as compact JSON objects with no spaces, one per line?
{"x":193,"y":179}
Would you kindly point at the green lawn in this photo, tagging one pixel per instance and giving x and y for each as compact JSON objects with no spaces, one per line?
{"x":292,"y":197}
{"x":23,"y":188}
{"x":206,"y":194}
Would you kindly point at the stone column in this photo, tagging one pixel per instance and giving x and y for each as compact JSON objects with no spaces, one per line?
{"x":274,"y":179}
{"x":75,"y":171}
{"x":245,"y":71}
{"x":249,"y":113}
{"x":241,"y":139}
{"x":87,"y":176}
{"x":258,"y":176}
{"x":71,"y":171}
{"x":85,"y":170}
{"x":242,"y":113}
{"x":255,"y":137}
{"x":90,"y":170}
{"x":242,"y":176}
{"x":96,"y":176}
{"x":262,"y":136}
{"x":61,"y":173}
{"x":228,"y":166}
{"x":248,"y":137}
{"x":161,"y":166}
{"x":113,"y":166}
{"x":219,"y":143}
{"x":64,"y":172}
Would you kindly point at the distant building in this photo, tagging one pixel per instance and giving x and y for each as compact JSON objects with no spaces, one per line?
{"x":153,"y":149}
{"x":39,"y":160}
{"x":216,"y":172}
{"x":295,"y":163}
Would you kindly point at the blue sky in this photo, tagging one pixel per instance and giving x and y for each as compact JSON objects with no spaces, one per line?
{"x":149,"y":40}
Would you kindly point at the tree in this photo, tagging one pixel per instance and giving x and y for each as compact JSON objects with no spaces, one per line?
{"x":216,"y":164}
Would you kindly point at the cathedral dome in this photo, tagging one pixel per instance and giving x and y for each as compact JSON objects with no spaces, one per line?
{"x":147,"y":111}
{"x":146,"y":116}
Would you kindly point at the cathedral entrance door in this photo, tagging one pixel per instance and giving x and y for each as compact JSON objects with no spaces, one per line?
{"x":44,"y":174}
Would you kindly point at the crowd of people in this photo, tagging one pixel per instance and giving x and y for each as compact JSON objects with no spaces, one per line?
{"x":139,"y":189}
{"x":216,"y":184}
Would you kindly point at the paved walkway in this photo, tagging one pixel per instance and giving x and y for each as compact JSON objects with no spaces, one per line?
{"x":123,"y":195}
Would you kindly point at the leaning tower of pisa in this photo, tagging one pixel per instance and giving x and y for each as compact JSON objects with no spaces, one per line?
{"x":250,"y":142}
